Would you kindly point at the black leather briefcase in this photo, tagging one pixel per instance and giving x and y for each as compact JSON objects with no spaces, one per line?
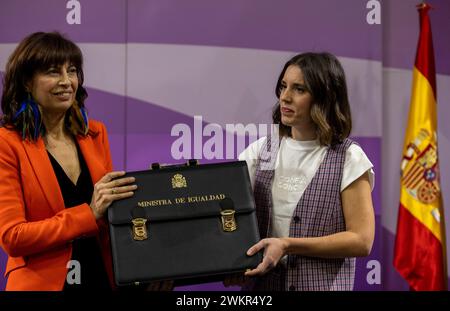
{"x":190,"y":223}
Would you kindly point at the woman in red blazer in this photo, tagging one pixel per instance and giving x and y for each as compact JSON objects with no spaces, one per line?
{"x":55,"y":172}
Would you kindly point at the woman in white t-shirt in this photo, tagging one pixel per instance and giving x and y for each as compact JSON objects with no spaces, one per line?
{"x":314,"y":203}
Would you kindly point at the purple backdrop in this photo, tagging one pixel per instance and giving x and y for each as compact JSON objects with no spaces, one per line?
{"x":151,"y":64}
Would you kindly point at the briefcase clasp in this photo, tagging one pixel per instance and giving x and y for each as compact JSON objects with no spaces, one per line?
{"x":228,"y":221}
{"x":139,"y":229}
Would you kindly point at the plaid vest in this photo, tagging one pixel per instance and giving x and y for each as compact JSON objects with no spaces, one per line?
{"x":318,"y":213}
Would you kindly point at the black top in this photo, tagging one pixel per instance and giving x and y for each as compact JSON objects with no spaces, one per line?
{"x":85,"y":250}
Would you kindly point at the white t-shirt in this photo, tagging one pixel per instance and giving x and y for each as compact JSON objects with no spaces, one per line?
{"x":295,"y":166}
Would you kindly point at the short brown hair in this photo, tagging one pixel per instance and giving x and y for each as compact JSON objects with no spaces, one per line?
{"x":325,"y":81}
{"x":36,"y":53}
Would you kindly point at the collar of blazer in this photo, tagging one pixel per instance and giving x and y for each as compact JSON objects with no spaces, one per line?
{"x":43,"y":169}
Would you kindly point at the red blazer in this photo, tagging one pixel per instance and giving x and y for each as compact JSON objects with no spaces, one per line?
{"x":35,"y":227}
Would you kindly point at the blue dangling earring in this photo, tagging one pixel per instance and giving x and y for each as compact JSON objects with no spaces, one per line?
{"x":29,"y":106}
{"x":85,"y":117}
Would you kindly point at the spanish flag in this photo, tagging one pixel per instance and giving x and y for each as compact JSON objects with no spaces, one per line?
{"x":419,"y":254}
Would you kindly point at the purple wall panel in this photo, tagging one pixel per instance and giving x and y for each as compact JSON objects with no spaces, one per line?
{"x":3,"y":259}
{"x":372,"y":147}
{"x":363,"y":269}
{"x":391,"y":278}
{"x":110,"y":109}
{"x":290,"y":25}
{"x":401,"y":32}
{"x":101,"y":20}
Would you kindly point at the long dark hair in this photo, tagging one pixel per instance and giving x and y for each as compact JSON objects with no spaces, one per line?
{"x":37,"y":53}
{"x":330,"y":110}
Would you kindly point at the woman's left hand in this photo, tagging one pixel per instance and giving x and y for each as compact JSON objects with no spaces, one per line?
{"x":274,"y":250}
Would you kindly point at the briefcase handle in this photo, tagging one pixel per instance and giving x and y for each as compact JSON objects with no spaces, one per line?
{"x":191,"y":162}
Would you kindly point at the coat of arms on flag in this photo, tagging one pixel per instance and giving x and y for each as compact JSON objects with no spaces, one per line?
{"x":420,"y":168}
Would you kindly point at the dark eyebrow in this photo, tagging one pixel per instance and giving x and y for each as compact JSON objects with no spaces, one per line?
{"x":300,"y":85}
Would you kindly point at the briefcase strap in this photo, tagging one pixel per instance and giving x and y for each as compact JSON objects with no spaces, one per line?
{"x":139,"y":220}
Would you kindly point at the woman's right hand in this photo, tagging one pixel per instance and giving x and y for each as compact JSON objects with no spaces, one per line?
{"x":108,"y":189}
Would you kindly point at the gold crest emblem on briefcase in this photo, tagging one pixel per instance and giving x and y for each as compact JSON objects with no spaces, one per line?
{"x":179,"y":181}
